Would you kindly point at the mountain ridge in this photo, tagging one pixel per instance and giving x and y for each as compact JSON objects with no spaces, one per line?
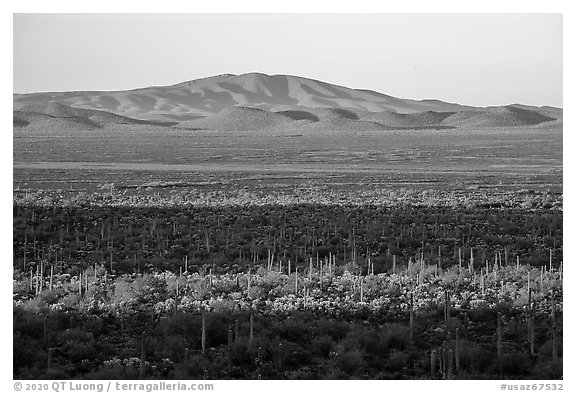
{"x":205,"y":103}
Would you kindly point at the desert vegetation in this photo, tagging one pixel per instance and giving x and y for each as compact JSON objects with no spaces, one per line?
{"x":406,"y":287}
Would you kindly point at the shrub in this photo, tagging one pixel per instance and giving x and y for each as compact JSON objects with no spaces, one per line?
{"x":351,"y":362}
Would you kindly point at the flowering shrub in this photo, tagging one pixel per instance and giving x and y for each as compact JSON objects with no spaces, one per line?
{"x":274,"y":293}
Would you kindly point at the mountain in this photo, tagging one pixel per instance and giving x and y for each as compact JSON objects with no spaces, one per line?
{"x":257,"y":101}
{"x":203,"y":97}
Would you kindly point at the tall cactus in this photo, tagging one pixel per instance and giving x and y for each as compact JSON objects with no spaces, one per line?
{"x":203,"y":332}
{"x":457,"y":350}
{"x":442,"y":360}
{"x":142,"y":371}
{"x":531,"y":334}
{"x":499,"y":341}
{"x":450,"y":361}
{"x":446,"y":308}
{"x":249,"y":284}
{"x":37,"y":281}
{"x":49,"y":359}
{"x":251,"y":337}
{"x":296,"y":280}
{"x":554,"y":345}
{"x":411,"y":318}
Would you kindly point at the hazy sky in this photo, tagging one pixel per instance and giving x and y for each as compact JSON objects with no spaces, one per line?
{"x":475,"y":59}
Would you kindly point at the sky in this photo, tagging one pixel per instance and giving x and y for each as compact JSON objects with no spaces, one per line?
{"x":472,"y":59}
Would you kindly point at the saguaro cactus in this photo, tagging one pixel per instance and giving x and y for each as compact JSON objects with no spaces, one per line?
{"x":251,"y":339}
{"x":457,"y":350}
{"x":554,"y":349}
{"x":411,"y":318}
{"x":51,"y":277}
{"x":296,"y":281}
{"x":142,"y":371}
{"x":49,"y":359}
{"x":499,"y":341}
{"x":450,"y":361}
{"x":446,"y":308}
{"x":531,"y":334}
{"x":37,"y":281}
{"x":249,"y":283}
{"x":203,"y":332}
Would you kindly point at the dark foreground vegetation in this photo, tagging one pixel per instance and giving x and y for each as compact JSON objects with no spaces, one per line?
{"x":300,"y":344}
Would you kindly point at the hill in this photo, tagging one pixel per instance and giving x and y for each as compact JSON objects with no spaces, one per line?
{"x":203,"y":97}
{"x":508,"y":116}
{"x":54,"y":115}
{"x":243,"y":119}
{"x":257,"y":101}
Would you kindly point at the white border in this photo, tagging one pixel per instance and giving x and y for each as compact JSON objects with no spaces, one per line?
{"x":302,"y":6}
